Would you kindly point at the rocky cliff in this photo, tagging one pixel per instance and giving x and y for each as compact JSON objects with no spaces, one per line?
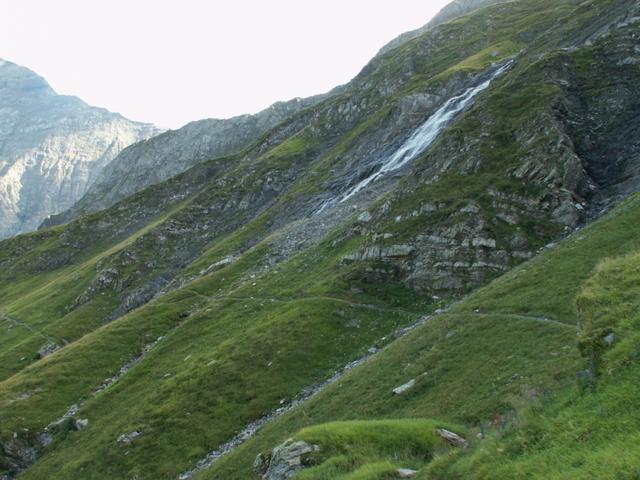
{"x":52,"y":147}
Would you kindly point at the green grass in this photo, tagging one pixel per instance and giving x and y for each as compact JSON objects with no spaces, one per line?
{"x":225,"y":366}
{"x":586,"y":431}
{"x":492,"y":358}
{"x":480,"y":61}
{"x":369,"y":449}
{"x":467,"y":369}
{"x":243,"y":338}
{"x":240,"y":343}
{"x":47,"y":304}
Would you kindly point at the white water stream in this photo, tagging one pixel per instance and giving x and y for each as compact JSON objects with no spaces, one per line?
{"x":422,"y":137}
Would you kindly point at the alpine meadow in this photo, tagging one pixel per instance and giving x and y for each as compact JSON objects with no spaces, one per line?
{"x":430,"y":272}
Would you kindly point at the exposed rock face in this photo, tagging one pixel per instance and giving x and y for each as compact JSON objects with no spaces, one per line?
{"x":17,"y":454}
{"x":52,"y":147}
{"x":127,"y":438}
{"x":152,"y":161}
{"x":284,"y":461}
{"x":581,"y":153}
{"x":81,"y":423}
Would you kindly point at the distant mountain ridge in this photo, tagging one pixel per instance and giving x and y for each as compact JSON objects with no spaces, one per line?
{"x":450,"y":11}
{"x":51,"y":147}
{"x":170,"y":153}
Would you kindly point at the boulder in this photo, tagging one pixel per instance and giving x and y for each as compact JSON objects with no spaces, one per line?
{"x":453,"y":438}
{"x":48,"y":349}
{"x":127,"y":438}
{"x":81,"y":423}
{"x":364,"y":217}
{"x":403,"y":388}
{"x":284,"y":461}
{"x":406,"y":473}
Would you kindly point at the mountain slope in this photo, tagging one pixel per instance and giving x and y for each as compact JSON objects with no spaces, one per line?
{"x":507,"y":359}
{"x":52,"y":148}
{"x":173,"y":152}
{"x":200,"y":306}
{"x":453,"y":10}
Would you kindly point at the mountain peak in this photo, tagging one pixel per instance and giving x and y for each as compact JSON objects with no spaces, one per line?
{"x":19,"y":81}
{"x":452,"y":10}
{"x":51,"y":147}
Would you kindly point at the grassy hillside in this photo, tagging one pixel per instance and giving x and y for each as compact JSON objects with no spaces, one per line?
{"x":499,"y":360}
{"x":206,"y":303}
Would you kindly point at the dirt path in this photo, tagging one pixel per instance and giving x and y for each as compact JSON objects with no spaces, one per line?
{"x":252,"y":428}
{"x":218,"y":298}
{"x":18,"y":323}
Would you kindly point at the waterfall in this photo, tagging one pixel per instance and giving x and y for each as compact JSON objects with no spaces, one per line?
{"x":422,"y":137}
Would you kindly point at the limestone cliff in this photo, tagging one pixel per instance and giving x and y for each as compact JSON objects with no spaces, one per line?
{"x":52,"y":147}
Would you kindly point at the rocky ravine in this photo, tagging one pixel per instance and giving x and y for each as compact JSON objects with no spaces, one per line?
{"x":51,"y":147}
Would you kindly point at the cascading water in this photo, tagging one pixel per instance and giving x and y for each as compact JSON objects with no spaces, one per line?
{"x":422,"y":137}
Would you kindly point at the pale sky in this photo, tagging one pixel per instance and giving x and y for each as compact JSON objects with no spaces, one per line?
{"x":169,"y":62}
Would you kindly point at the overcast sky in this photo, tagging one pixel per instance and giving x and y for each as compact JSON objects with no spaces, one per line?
{"x":172,"y":61}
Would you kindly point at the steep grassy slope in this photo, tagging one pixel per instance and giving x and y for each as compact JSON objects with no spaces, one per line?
{"x":207,"y":302}
{"x":520,"y":374}
{"x":588,"y":431}
{"x":216,"y":348}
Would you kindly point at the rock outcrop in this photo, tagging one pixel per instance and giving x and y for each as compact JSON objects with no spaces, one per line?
{"x":52,"y":148}
{"x":285,"y":460}
{"x":452,"y":438}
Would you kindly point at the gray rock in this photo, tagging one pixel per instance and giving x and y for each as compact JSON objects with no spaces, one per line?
{"x":376,"y":252}
{"x":484,"y":242}
{"x":225,"y":262}
{"x":285,"y":460}
{"x":164,"y":156}
{"x":406,"y":473}
{"x":261,"y":464}
{"x":48,"y":349}
{"x":81,"y":423}
{"x":127,"y":438}
{"x":452,"y":438}
{"x":405,"y":387}
{"x":17,"y":454}
{"x":364,"y":217}
{"x":470,"y":208}
{"x":45,"y":439}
